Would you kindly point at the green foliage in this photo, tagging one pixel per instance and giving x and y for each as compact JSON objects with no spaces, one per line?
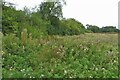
{"x":48,"y":9}
{"x":61,"y":57}
{"x":14,"y":21}
{"x":33,"y":47}
{"x":73,"y":27}
{"x":7,"y":19}
{"x":106,"y":29}
{"x":93,"y":28}
{"x":54,"y":28}
{"x":109,"y":29}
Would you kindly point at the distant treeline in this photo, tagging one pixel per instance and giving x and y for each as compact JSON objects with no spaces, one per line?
{"x":105,"y":29}
{"x":47,"y":19}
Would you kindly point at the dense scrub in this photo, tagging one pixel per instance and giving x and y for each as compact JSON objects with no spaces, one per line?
{"x":87,"y":55}
{"x":43,"y":44}
{"x":14,"y":21}
{"x":36,"y":22}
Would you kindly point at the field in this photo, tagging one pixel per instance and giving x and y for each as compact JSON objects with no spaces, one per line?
{"x":89,"y":55}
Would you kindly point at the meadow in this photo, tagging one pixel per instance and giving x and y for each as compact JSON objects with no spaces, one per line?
{"x":89,"y":55}
{"x":42,"y":43}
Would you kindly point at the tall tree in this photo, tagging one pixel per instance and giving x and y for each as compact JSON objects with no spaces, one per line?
{"x":7,"y":17}
{"x":52,"y":11}
{"x":93,"y":28}
{"x":49,"y":9}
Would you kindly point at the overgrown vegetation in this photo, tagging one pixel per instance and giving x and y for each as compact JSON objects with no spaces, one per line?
{"x":45,"y":21}
{"x":61,"y":57}
{"x":41,"y":44}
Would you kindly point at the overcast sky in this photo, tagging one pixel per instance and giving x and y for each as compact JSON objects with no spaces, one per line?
{"x":95,"y":12}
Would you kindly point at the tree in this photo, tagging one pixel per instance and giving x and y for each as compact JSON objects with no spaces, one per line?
{"x":48,"y":9}
{"x":52,"y":12}
{"x":93,"y":28}
{"x":73,"y":27}
{"x":7,"y":18}
{"x":109,"y":29}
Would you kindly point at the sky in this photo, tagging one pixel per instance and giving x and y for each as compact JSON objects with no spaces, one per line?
{"x":95,"y":12}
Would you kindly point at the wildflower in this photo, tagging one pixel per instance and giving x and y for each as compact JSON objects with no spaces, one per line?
{"x":51,"y":70}
{"x":72,"y":49}
{"x":22,"y":70}
{"x":103,"y":68}
{"x":90,"y":76}
{"x":3,"y":52}
{"x":115,"y":61}
{"x":96,"y":68}
{"x":42,"y":75}
{"x":10,"y":68}
{"x":65,"y":71}
{"x":70,"y":76}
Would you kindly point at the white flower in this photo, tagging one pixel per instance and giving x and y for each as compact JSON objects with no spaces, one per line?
{"x":22,"y":70}
{"x":65,"y":71}
{"x":42,"y":75}
{"x":103,"y":68}
{"x":115,"y":61}
{"x":96,"y":68}
{"x":3,"y":52}
{"x":90,"y":76}
{"x":70,"y":76}
{"x":72,"y":49}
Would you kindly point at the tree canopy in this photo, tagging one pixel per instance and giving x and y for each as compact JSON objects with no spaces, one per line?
{"x":47,"y":20}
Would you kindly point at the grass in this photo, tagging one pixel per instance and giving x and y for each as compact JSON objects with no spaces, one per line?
{"x":90,"y":55}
